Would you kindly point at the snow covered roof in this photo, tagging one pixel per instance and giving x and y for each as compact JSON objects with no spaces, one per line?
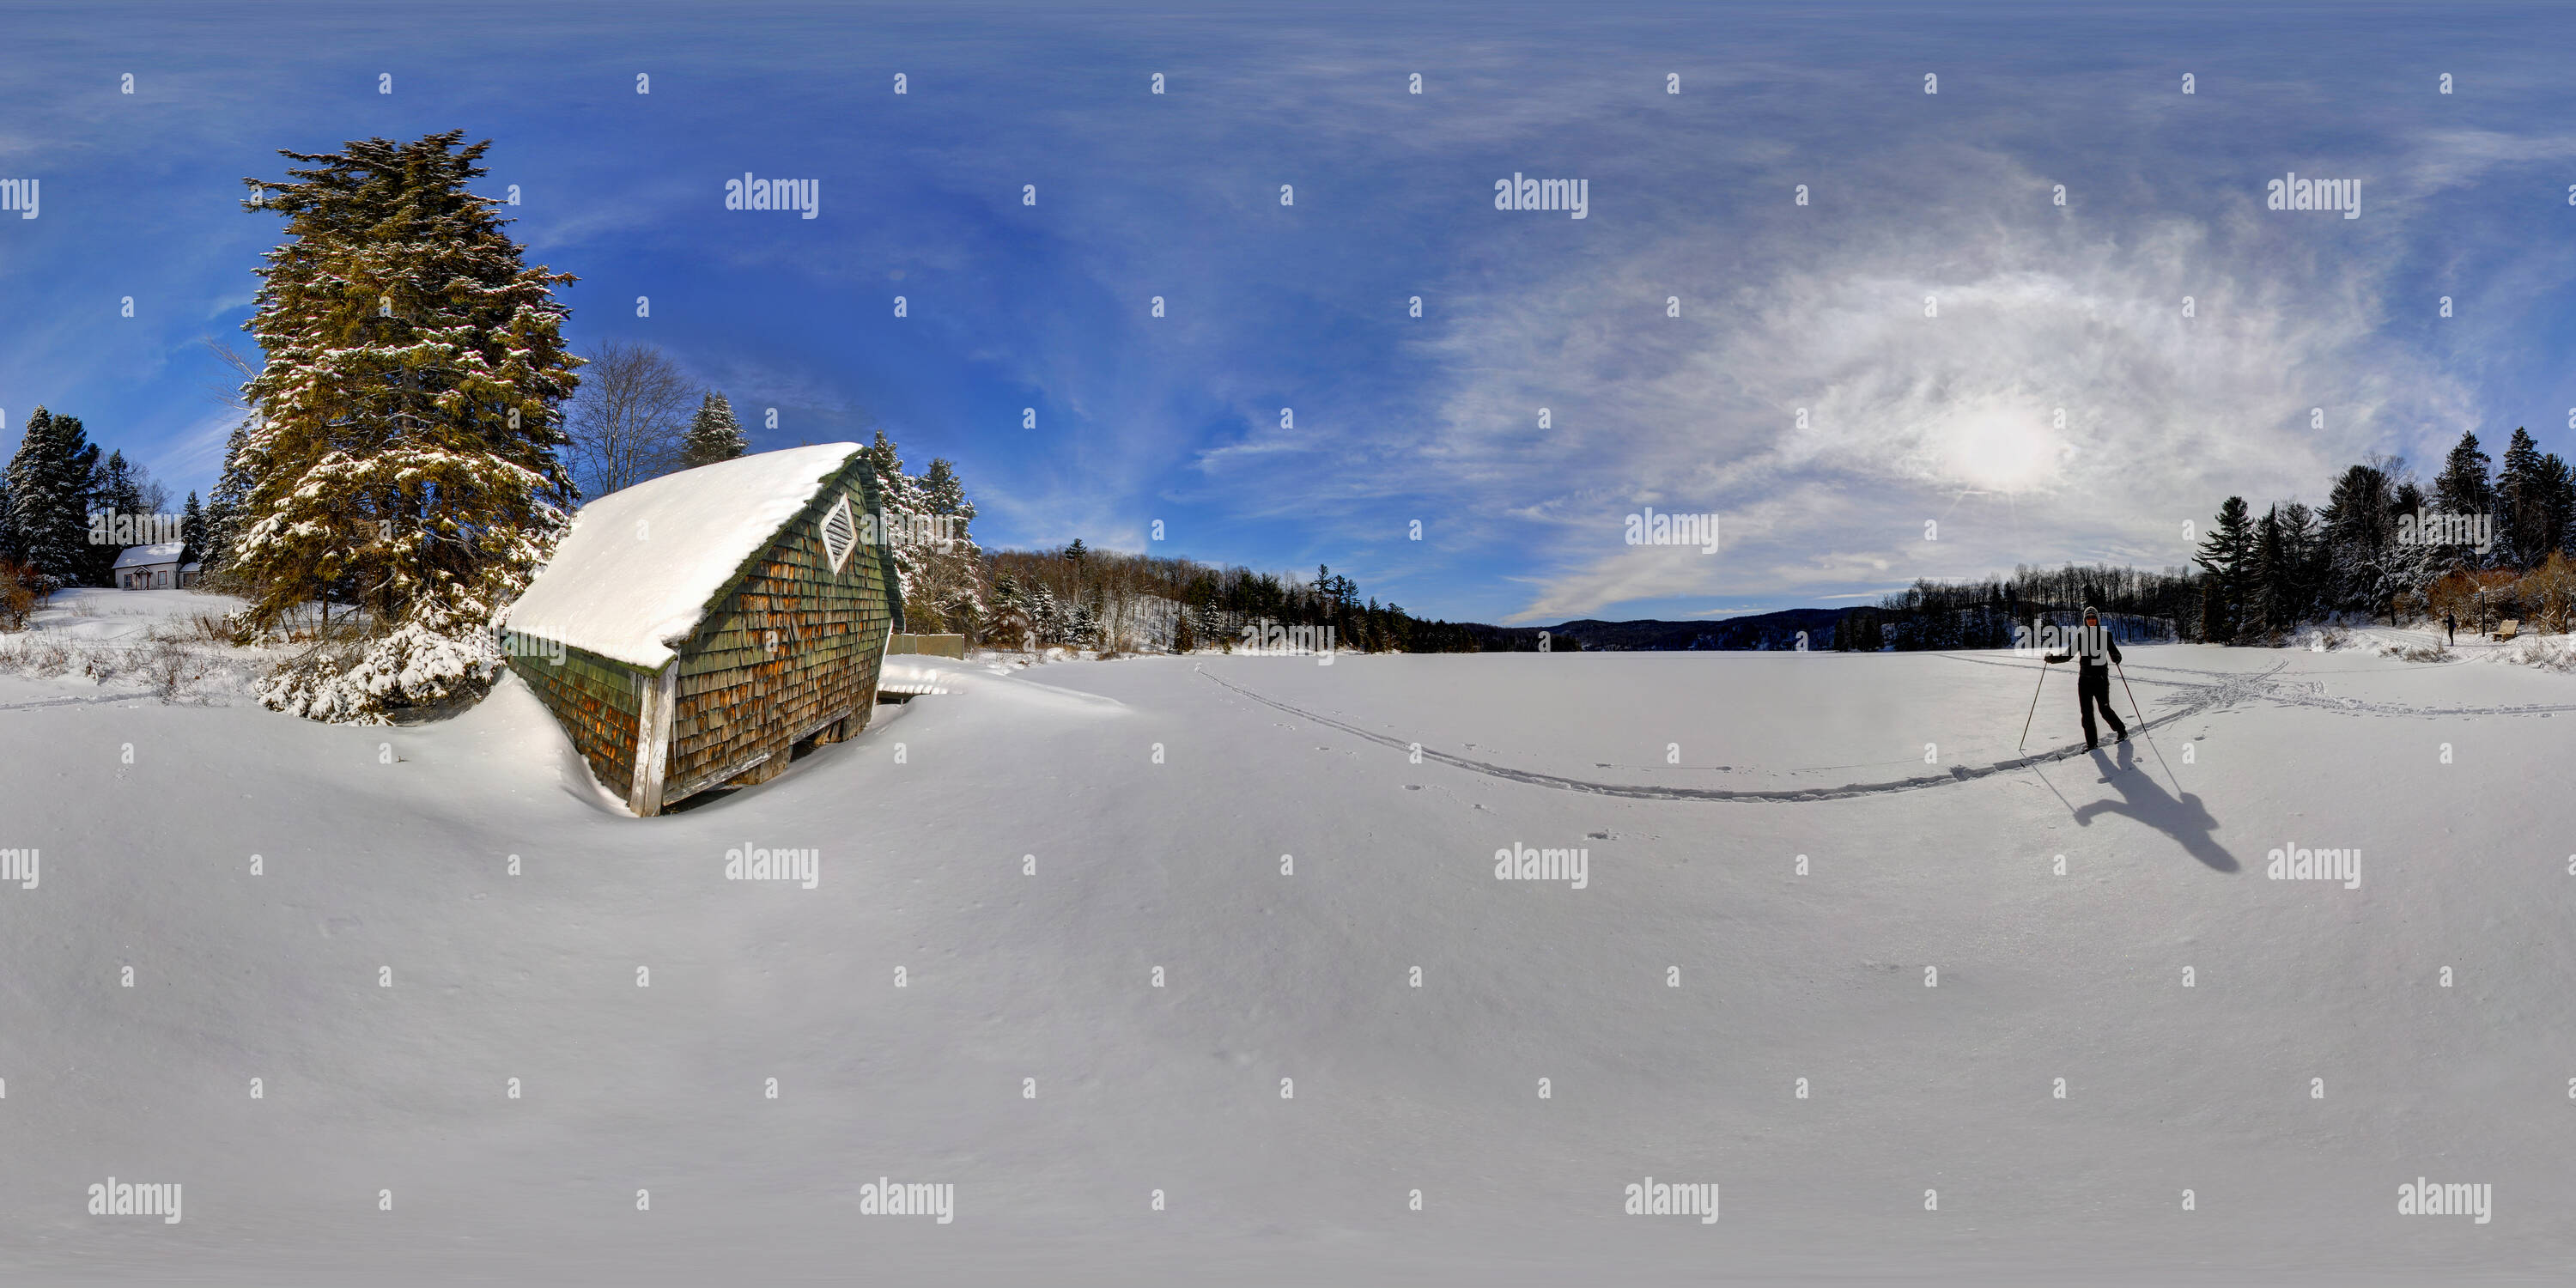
{"x":640,"y":567}
{"x":158,"y":553}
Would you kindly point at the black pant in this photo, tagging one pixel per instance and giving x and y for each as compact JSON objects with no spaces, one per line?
{"x":2092,"y":689}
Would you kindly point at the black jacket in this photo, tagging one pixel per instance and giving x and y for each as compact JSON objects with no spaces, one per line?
{"x":2095,"y":646}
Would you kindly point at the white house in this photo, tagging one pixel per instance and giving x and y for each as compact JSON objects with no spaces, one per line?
{"x":154,"y":567}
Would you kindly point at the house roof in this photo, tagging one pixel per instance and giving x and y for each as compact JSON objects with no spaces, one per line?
{"x":158,"y":553}
{"x":641,"y":568}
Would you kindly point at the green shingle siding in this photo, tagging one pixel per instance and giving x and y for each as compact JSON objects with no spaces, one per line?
{"x":595,"y":700}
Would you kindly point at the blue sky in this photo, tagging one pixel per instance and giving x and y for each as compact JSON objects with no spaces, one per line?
{"x":2298,"y":315}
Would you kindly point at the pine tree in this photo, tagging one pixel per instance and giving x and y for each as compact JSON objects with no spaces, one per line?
{"x":1046,"y":620}
{"x":2416,"y":566}
{"x":192,"y":531}
{"x":2525,"y":498}
{"x":2227,"y":555}
{"x":2304,"y":563}
{"x":409,"y":424}
{"x":2558,"y":521}
{"x":944,"y":494}
{"x":2464,"y":488}
{"x":714,"y":435}
{"x":224,"y":504}
{"x":2266,"y":602}
{"x":1011,"y":611}
{"x":899,"y":496}
{"x":50,"y":480}
{"x":2360,"y":532}
{"x":948,"y":567}
{"x":114,"y":494}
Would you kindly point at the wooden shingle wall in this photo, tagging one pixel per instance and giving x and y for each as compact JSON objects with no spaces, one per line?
{"x":595,"y":701}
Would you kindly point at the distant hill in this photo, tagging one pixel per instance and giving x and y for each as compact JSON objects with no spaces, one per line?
{"x":1762,"y":631}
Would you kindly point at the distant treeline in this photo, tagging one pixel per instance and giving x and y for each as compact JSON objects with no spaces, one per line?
{"x":1983,"y":614}
{"x":1106,"y":599}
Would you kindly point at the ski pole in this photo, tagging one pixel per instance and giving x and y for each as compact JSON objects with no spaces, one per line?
{"x":2034,"y":709}
{"x":2142,"y":726}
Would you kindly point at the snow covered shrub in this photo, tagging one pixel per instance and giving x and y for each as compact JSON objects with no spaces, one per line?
{"x":2410,"y":651}
{"x":2548,"y":652}
{"x":17,"y":595}
{"x":36,"y":656}
{"x":171,"y":667}
{"x":409,"y":669}
{"x":2549,"y":593}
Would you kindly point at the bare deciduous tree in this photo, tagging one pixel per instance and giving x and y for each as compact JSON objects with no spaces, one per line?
{"x":626,"y":423}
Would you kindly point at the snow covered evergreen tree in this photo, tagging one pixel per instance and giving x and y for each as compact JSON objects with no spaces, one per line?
{"x":409,"y":423}
{"x":50,"y":480}
{"x":2360,"y":534}
{"x":714,"y":435}
{"x":2414,"y":567}
{"x":2464,"y":488}
{"x":224,"y":504}
{"x":1046,"y":619}
{"x":935,"y":555}
{"x":192,"y":530}
{"x":114,"y":492}
{"x":1010,"y":613}
{"x":2532,"y":500}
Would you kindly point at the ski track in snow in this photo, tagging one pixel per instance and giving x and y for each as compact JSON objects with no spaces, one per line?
{"x":2207,"y":697}
{"x":101,"y":700}
{"x":2311,"y":693}
{"x":2220,"y":691}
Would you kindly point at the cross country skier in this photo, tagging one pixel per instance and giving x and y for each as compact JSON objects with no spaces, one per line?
{"x":2093,"y":679}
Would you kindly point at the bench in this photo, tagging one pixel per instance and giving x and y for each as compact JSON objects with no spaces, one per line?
{"x":2512,"y":627}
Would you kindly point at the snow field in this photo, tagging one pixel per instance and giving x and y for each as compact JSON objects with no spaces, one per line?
{"x":389,"y":848}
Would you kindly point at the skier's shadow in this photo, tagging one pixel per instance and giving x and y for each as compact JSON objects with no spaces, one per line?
{"x":2186,"y":820}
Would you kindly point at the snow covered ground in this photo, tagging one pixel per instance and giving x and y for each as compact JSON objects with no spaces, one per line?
{"x":1030,"y":847}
